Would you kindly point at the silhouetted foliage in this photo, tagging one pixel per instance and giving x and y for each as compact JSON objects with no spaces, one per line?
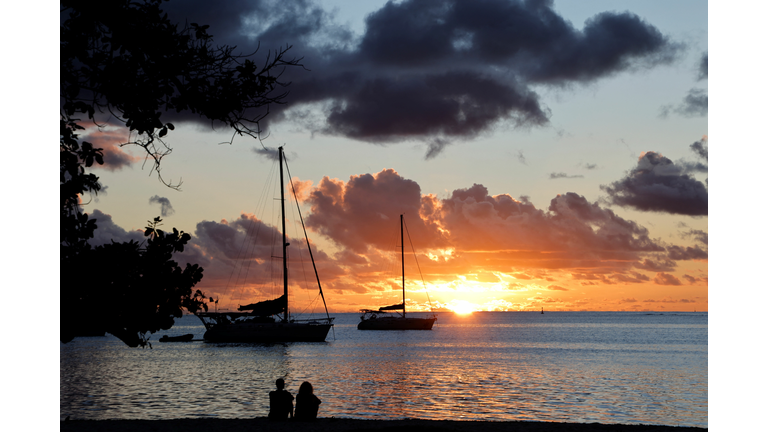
{"x":124,"y":60}
{"x":126,"y":289}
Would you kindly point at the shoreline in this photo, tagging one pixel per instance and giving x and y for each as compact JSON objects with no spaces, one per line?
{"x":353,"y":425}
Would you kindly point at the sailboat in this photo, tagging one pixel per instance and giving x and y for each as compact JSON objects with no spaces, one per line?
{"x":269,"y":321}
{"x":381,"y":319}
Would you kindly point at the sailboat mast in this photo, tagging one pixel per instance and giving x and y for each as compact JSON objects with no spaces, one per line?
{"x":402,"y":259}
{"x":285,"y":244}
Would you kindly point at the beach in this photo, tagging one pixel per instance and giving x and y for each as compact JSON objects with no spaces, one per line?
{"x":350,"y":425}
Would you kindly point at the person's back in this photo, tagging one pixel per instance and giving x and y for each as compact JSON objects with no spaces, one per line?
{"x":280,"y":402}
{"x":307,"y":403}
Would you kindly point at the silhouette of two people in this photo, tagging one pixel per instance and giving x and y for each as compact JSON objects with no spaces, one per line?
{"x":281,"y":402}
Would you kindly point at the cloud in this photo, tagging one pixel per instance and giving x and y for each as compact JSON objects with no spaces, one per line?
{"x":107,"y":231}
{"x":611,"y":278}
{"x":433,"y":71}
{"x":698,"y":235}
{"x":701,"y":148}
{"x":240,"y":253}
{"x":696,"y":102}
{"x":669,"y":300}
{"x":659,"y":185}
{"x":269,"y":153}
{"x":521,"y":157}
{"x":364,"y":211}
{"x":656,"y":266}
{"x":559,"y":175}
{"x":468,"y":240}
{"x":632,"y":277}
{"x":166,"y":209}
{"x":302,"y":188}
{"x":362,"y":214}
{"x":704,"y":67}
{"x":692,"y":279}
{"x":678,"y":253}
{"x":110,"y":139}
{"x":666,"y":279}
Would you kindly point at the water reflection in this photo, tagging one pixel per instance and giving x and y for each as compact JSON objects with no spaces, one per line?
{"x":649,"y":370}
{"x":169,"y":381}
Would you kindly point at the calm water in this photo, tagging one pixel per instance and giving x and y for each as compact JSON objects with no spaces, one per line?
{"x":608,"y":367}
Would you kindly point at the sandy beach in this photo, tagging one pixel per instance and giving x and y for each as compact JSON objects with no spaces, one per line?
{"x":333,"y":424}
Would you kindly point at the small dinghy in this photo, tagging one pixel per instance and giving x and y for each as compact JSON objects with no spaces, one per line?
{"x":182,"y":338}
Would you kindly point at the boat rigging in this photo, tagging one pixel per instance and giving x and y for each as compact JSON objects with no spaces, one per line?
{"x":270,"y":320}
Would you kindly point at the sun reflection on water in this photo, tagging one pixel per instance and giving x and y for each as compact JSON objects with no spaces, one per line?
{"x":478,"y":366}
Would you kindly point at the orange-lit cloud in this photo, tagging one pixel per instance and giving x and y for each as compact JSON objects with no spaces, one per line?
{"x":666,"y":279}
{"x":475,"y":251}
{"x":110,"y":139}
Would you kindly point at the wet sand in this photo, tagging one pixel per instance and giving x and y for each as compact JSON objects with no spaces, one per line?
{"x":349,"y":425}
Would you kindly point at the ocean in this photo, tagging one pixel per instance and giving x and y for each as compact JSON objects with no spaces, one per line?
{"x":606,"y":367}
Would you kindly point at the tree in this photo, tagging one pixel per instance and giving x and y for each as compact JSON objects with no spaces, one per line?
{"x":124,"y":61}
{"x":128,"y":290}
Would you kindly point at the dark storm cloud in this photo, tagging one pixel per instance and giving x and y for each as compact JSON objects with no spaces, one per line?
{"x":659,"y":185}
{"x":431,"y":71}
{"x":166,"y":209}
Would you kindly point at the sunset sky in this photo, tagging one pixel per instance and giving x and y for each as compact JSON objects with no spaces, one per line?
{"x":545,"y":155}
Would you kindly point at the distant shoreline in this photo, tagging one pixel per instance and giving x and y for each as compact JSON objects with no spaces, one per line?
{"x":351,"y":425}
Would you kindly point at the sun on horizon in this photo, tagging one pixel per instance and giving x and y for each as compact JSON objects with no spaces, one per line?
{"x":463,"y":307}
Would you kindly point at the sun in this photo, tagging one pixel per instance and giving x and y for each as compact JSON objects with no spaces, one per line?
{"x":463,"y":307}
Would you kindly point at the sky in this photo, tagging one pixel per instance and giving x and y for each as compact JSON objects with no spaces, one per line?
{"x":607,"y":122}
{"x":545,"y":155}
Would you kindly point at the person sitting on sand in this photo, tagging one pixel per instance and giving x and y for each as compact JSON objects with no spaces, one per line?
{"x":280,"y":402}
{"x":306,"y":402}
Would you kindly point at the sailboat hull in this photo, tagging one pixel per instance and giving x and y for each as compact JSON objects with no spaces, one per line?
{"x":267,"y":332}
{"x":396,"y":323}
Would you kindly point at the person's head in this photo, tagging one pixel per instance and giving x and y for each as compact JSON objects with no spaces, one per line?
{"x":305,"y":388}
{"x":280,"y":383}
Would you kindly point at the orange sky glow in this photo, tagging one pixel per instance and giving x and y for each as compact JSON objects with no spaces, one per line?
{"x":474,"y":251}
